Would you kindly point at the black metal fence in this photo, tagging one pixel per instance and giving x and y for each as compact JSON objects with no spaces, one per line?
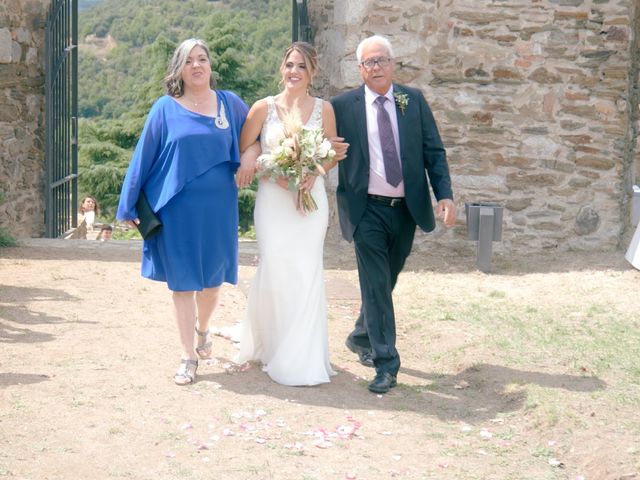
{"x":61,"y":105}
{"x":300,"y":27}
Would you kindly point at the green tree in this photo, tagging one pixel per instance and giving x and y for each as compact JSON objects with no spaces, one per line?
{"x":118,"y":86}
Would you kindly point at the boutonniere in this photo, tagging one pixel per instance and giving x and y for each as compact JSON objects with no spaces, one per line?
{"x":402,"y":100}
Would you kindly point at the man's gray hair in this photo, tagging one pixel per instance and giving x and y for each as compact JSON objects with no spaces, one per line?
{"x":374,"y":39}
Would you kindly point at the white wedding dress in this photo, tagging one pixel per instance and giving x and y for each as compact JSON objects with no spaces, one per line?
{"x":285,"y":325}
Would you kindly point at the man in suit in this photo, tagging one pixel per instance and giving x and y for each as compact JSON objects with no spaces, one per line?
{"x":383,"y":193}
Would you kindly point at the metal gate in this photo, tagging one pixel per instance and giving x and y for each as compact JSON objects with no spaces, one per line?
{"x":61,"y":113}
{"x":300,"y":28}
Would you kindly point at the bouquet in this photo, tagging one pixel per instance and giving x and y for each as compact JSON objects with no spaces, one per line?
{"x":300,"y":153}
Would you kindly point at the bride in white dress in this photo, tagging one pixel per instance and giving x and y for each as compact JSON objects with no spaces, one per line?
{"x":285,"y":325}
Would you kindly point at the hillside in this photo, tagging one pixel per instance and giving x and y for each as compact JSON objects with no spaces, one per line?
{"x":125,"y":46}
{"x":124,"y":49}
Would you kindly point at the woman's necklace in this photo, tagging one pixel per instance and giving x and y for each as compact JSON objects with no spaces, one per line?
{"x":219,"y":120}
{"x":199,"y":102}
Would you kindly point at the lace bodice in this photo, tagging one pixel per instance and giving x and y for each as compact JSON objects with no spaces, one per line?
{"x":272,"y":128}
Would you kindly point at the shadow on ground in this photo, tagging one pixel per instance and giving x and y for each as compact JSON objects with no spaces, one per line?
{"x":13,"y":311}
{"x":477,"y":394}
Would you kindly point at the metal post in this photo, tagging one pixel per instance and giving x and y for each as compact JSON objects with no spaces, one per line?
{"x":295,"y":21}
{"x":485,"y":239}
{"x":484,"y":224}
{"x":74,"y":113}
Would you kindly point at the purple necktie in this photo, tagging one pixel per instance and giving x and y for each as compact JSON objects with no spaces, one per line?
{"x":392,"y":168}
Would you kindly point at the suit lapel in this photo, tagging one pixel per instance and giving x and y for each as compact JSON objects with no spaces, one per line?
{"x":360,"y":120}
{"x":402,"y":120}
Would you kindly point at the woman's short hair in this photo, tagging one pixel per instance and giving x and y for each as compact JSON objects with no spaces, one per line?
{"x":374,"y":39}
{"x":173,"y":79}
{"x":309,"y":54}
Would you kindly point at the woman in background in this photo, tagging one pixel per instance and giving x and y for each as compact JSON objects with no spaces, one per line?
{"x":89,"y":210}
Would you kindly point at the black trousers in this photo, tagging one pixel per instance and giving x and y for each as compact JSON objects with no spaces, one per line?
{"x":383,"y":241}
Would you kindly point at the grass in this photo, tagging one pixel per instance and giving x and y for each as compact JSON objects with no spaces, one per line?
{"x":590,"y":339}
{"x":6,"y":240}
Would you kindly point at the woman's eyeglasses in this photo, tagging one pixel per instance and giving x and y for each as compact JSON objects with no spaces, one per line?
{"x":382,"y":62}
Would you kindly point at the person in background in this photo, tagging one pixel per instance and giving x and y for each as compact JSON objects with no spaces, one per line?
{"x":89,"y":210}
{"x":185,"y":162}
{"x":106,"y":232}
{"x":395,"y":152}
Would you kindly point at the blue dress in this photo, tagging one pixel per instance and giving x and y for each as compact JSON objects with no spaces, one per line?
{"x":186,"y":164}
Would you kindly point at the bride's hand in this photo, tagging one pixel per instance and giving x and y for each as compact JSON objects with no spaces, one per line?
{"x":308,"y":182}
{"x":248,"y":165}
{"x":340,"y":147}
{"x":244,"y":175}
{"x":283,"y":182}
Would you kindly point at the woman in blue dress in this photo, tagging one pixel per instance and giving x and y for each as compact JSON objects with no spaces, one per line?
{"x":185,"y":162}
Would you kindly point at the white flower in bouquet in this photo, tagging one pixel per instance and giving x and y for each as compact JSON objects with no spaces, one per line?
{"x":299,"y":153}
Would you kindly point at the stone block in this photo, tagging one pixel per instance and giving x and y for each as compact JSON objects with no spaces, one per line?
{"x":5,"y":45}
{"x":587,"y":220}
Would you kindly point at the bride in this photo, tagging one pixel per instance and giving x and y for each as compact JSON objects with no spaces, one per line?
{"x":285,"y":325}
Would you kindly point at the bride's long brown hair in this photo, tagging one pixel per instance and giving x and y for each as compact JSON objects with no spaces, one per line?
{"x":310,"y":56}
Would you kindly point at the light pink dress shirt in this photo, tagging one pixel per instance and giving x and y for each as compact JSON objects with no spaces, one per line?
{"x":377,"y":181}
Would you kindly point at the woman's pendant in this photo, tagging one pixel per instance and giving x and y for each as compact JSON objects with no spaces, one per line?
{"x":221,"y":120}
{"x":222,"y":123}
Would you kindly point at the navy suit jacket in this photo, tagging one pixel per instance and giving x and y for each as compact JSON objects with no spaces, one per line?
{"x":422,"y":154}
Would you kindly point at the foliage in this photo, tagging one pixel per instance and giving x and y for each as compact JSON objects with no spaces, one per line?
{"x":6,"y":240}
{"x":118,"y":84}
{"x":126,"y":234}
{"x":246,"y":40}
{"x":246,"y":201}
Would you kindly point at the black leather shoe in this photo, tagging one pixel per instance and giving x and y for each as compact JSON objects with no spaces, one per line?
{"x":364,"y":354}
{"x":383,"y":383}
{"x":366,"y":359}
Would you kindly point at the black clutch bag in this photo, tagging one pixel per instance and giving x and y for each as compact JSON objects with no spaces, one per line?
{"x":150,"y":225}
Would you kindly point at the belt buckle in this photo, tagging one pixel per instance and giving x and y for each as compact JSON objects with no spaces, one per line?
{"x":396,"y":202}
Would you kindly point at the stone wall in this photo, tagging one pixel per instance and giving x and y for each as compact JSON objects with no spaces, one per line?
{"x":22,"y":166}
{"x":537,"y":102}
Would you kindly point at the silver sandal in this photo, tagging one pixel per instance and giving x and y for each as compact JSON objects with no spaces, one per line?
{"x":186,"y":374}
{"x":204,"y":351}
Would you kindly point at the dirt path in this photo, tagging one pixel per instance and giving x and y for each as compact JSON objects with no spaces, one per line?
{"x":88,"y":350}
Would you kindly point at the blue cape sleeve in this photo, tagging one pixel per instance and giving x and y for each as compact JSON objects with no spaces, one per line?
{"x":237,"y":115}
{"x":145,"y":153}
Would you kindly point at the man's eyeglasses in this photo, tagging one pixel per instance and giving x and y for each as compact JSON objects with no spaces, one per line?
{"x":382,"y":62}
